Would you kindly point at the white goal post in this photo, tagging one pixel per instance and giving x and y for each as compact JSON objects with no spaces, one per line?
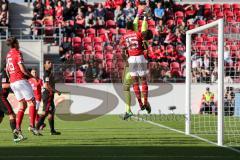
{"x":220,"y":119}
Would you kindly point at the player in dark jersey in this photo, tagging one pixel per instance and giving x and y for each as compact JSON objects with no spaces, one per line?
{"x":5,"y":106}
{"x":48,"y":98}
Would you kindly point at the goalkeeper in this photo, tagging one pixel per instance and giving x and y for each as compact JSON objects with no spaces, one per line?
{"x":127,"y":78}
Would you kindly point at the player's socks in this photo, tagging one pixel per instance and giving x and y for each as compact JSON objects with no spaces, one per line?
{"x":138,"y":94}
{"x":20,"y":115}
{"x":127,"y":95}
{"x":13,"y":124}
{"x":40,"y":122}
{"x":51,"y":123}
{"x":145,"y":92}
{"x":32,"y":115}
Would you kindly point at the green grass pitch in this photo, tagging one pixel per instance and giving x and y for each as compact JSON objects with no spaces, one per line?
{"x":110,"y":138}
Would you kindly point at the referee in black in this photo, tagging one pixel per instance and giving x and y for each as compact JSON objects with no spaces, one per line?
{"x":48,"y":98}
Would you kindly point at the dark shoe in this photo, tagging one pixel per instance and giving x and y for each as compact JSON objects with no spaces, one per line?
{"x":127,"y":115}
{"x":55,"y":133}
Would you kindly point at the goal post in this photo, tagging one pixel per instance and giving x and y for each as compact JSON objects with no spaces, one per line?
{"x":220,"y":96}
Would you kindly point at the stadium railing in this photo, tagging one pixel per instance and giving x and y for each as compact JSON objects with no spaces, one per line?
{"x":47,"y":34}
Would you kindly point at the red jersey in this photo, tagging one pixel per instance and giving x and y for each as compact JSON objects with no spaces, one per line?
{"x":37,"y":88}
{"x":134,"y":43}
{"x":14,"y":57}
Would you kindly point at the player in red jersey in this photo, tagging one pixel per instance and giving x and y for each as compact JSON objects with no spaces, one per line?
{"x":36,"y":84}
{"x":21,"y":88}
{"x":134,"y":43}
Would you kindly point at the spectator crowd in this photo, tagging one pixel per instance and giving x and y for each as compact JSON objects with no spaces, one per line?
{"x":91,"y":33}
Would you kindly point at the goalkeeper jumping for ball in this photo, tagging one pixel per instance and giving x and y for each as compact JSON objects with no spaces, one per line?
{"x":135,"y":43}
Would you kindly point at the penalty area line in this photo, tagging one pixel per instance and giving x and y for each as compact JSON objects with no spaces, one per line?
{"x":181,"y":132}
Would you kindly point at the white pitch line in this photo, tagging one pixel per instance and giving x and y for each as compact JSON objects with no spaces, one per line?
{"x":178,"y":131}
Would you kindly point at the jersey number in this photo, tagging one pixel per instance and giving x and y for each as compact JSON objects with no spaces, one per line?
{"x":132,"y":43}
{"x":10,"y":65}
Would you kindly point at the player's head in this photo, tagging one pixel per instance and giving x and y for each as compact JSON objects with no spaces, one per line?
{"x":147,"y":35}
{"x":130,"y":25}
{"x":13,"y":42}
{"x":34,"y":72}
{"x":48,"y":64}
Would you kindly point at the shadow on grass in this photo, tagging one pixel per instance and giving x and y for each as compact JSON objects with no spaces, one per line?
{"x":117,"y":153}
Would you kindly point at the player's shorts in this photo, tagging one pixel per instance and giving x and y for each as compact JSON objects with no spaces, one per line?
{"x":38,"y":104}
{"x":22,"y":90}
{"x":48,"y":102}
{"x":138,"y":66}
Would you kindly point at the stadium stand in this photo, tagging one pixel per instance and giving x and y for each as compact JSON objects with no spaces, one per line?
{"x":4,"y":13}
{"x":91,"y":33}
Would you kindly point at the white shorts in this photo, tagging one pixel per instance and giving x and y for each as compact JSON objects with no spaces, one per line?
{"x":138,"y":66}
{"x":22,"y":90}
{"x":38,"y":105}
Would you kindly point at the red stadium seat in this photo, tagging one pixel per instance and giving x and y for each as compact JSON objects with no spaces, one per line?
{"x":88,"y":49}
{"x":220,"y":15}
{"x":120,"y":65}
{"x":179,"y":14}
{"x":109,"y":65}
{"x":109,"y":48}
{"x":109,"y":57}
{"x":110,"y":24}
{"x":78,"y":58}
{"x":91,"y":32}
{"x":76,"y":43}
{"x":236,"y":8}
{"x":80,"y":32}
{"x":175,"y":69}
{"x":113,"y":31}
{"x":238,"y":19}
{"x":199,"y":39}
{"x":98,"y":49}
{"x":201,"y":22}
{"x":216,"y":7}
{"x":97,"y":41}
{"x":179,"y":21}
{"x":79,"y":76}
{"x":102,"y":33}
{"x":87,"y":41}
{"x":151,"y":23}
{"x":226,"y":7}
{"x":122,"y":31}
{"x":98,"y":56}
{"x":207,"y":6}
{"x":118,"y":55}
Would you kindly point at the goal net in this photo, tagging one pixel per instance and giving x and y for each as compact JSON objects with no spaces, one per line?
{"x":212,"y":82}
